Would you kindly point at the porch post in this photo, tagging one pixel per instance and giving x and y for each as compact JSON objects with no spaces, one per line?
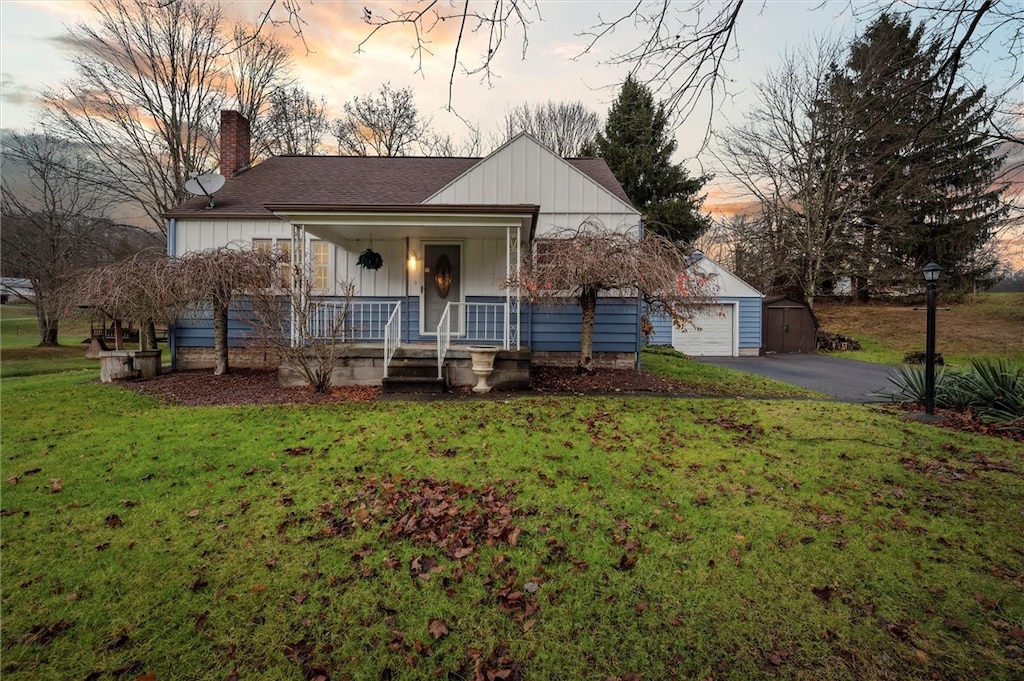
{"x":512,"y":302}
{"x":297,"y":285}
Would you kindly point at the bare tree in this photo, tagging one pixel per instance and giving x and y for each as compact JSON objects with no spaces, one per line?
{"x":682,"y":50}
{"x":306,"y":333}
{"x":151,"y":78}
{"x":791,"y":158}
{"x":145,"y":93}
{"x":54,"y":221}
{"x":564,"y":127}
{"x":218,"y":278}
{"x":388,"y":124}
{"x":260,"y":84}
{"x":582,"y":264}
{"x":297,"y":123}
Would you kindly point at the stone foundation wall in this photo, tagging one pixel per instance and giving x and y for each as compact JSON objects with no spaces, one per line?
{"x":187,"y":359}
{"x":603,"y":360}
{"x":511,"y":371}
{"x":366,"y":367}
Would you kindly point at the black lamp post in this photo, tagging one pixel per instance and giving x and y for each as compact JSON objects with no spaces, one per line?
{"x":931,"y":276}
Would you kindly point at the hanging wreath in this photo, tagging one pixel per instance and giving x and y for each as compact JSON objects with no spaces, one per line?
{"x":370,"y":260}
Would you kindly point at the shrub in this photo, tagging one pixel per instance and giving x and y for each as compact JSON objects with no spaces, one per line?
{"x":993,"y":389}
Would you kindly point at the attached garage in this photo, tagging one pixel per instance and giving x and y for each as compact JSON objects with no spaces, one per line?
{"x":712,"y":334}
{"x":730,"y":326}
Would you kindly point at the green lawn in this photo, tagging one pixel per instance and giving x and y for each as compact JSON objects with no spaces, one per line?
{"x":706,"y":379}
{"x":19,"y":338}
{"x":525,"y":537}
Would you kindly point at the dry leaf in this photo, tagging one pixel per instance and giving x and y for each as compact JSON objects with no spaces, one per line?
{"x":437,"y":629}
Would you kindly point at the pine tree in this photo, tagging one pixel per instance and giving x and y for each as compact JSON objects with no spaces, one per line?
{"x":921,"y":164}
{"x":638,"y":148}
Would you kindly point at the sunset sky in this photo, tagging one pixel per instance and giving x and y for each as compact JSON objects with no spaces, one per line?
{"x":32,"y":57}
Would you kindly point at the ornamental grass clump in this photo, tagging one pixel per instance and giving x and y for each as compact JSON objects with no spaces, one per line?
{"x":993,"y":389}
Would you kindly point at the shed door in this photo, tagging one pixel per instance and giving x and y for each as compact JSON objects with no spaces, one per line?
{"x":714,"y":335}
{"x":442,"y":284}
{"x":788,"y":329}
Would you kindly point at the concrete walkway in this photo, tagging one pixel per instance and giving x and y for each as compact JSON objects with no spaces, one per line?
{"x":847,"y":380}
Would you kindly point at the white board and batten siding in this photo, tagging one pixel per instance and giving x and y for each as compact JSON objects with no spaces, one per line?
{"x":200,"y":235}
{"x":388,"y":281}
{"x":525,"y":172}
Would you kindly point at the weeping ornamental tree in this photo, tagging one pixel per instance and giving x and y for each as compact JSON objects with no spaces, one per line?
{"x":219,"y":277}
{"x":146,"y":288}
{"x":591,"y":261}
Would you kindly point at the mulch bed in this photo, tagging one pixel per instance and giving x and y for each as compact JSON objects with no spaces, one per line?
{"x":259,"y":386}
{"x":241,"y":387}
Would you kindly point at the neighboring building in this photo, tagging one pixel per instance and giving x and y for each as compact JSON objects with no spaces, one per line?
{"x":730,"y":326}
{"x":450,"y":231}
{"x":16,"y":290}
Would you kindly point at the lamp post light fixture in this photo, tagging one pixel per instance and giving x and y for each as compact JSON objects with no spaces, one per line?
{"x":931,"y":276}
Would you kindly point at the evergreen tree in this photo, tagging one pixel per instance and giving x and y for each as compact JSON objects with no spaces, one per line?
{"x":638,"y":148}
{"x":921,"y":165}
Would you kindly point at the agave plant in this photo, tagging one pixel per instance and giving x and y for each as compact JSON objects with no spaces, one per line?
{"x":999,"y":391}
{"x":993,"y":389}
{"x":910,"y":387}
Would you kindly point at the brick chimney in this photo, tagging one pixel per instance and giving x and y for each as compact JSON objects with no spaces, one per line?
{"x":234,"y":143}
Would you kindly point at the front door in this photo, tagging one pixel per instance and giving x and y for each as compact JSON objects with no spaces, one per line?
{"x":442,"y":284}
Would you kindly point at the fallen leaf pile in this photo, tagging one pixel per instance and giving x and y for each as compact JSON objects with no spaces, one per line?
{"x":451,"y":516}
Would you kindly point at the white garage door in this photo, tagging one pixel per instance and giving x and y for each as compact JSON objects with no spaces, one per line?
{"x":713,"y":335}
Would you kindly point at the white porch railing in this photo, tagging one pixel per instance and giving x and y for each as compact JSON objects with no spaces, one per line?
{"x":444,"y":338}
{"x":480,"y":323}
{"x":392,"y":336}
{"x":351,"y":321}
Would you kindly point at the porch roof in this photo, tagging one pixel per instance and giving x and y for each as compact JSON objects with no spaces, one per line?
{"x":358,"y":221}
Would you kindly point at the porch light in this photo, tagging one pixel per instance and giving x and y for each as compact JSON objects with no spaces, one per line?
{"x":412,"y":261}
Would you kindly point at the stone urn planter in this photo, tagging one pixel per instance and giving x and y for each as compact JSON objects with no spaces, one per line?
{"x":483,"y":365}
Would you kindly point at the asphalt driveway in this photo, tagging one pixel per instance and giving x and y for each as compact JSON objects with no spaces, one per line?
{"x":847,"y":380}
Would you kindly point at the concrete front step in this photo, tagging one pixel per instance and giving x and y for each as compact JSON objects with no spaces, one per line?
{"x":414,"y":384}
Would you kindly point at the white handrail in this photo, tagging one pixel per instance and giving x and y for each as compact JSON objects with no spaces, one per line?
{"x":483,"y":322}
{"x":444,"y":337}
{"x":392,"y":336}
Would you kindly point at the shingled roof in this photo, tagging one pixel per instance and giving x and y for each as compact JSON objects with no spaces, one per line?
{"x":349,"y":180}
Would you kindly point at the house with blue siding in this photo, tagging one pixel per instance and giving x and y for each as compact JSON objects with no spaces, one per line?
{"x":449,"y":232}
{"x":729,"y":326}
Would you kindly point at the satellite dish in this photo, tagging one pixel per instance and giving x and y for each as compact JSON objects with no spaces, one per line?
{"x":205,"y":185}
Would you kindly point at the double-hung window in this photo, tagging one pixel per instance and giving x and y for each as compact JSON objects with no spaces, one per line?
{"x":320,"y":257}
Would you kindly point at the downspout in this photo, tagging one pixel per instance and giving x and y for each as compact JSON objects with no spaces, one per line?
{"x":639,"y":312}
{"x":172,"y":244}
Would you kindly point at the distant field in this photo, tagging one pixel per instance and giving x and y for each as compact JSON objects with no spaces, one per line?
{"x":984,"y":325}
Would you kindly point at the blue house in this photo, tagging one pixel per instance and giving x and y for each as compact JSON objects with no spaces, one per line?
{"x":449,"y":233}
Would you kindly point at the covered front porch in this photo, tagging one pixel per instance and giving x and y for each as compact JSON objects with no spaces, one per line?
{"x":445,"y":279}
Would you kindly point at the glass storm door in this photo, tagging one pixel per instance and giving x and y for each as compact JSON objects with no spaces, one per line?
{"x":442,"y":284}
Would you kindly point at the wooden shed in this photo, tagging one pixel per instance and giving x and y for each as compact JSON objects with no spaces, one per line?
{"x":788,"y":325}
